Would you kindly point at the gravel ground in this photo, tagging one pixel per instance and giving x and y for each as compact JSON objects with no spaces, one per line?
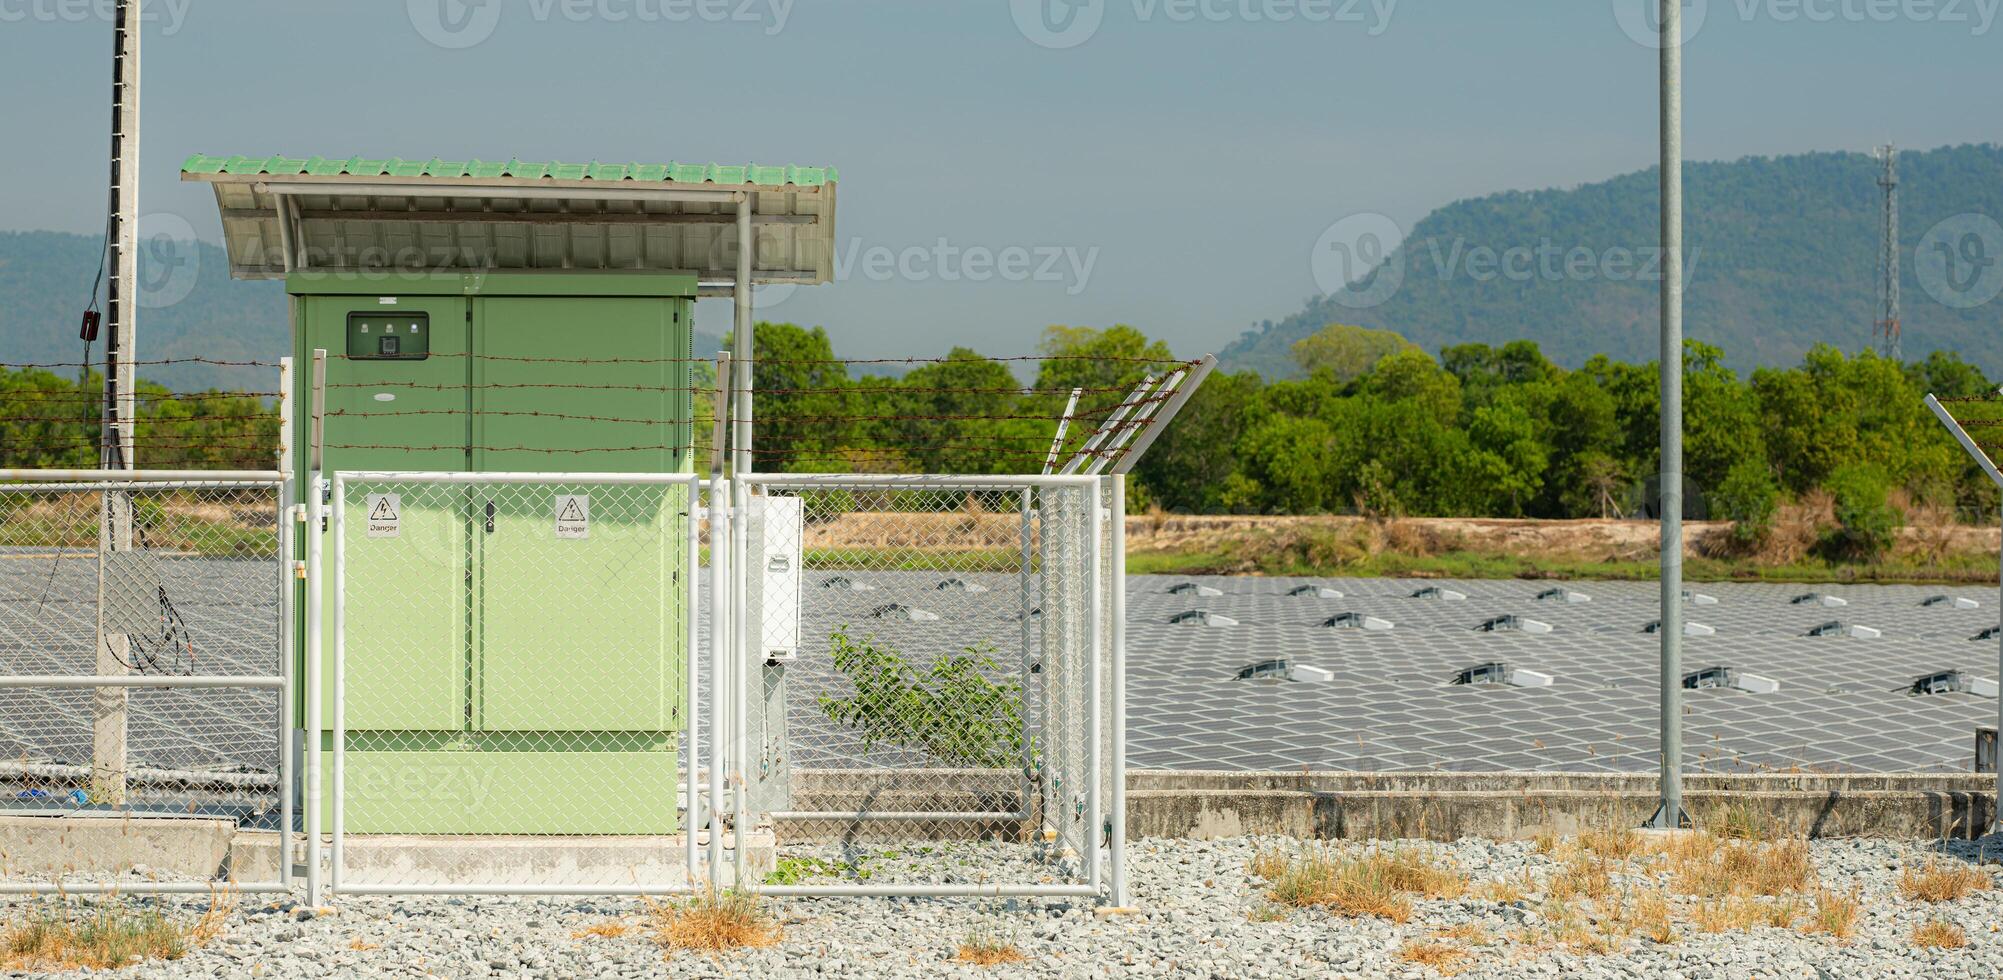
{"x":1195,"y":919}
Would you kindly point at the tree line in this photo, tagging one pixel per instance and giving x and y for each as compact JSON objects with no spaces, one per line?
{"x":1376,"y":427}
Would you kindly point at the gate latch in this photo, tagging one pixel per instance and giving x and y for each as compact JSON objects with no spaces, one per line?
{"x":490,"y":517}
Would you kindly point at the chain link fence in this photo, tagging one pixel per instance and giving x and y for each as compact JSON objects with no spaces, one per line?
{"x":141,"y":627}
{"x":924,"y":661}
{"x":514,"y":659}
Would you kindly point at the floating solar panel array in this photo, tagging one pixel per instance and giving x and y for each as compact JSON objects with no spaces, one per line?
{"x":1765,"y":695}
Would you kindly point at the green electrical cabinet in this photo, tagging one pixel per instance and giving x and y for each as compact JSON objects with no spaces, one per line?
{"x":499,"y":679}
{"x":493,"y":667}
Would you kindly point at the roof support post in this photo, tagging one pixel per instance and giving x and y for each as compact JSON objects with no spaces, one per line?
{"x":741,"y":346}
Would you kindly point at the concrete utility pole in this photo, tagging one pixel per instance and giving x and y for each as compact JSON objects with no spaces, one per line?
{"x":115,"y":443}
{"x":1670,"y":814}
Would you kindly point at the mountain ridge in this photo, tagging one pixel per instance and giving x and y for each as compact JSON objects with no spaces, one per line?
{"x":1782,"y":254}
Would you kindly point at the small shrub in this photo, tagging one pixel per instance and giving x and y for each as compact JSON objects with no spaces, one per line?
{"x":950,"y":711}
{"x":1939,"y":934}
{"x":1939,"y":881}
{"x":713,"y":922}
{"x":794,"y":870}
{"x":1748,"y":497}
{"x":1866,"y":521}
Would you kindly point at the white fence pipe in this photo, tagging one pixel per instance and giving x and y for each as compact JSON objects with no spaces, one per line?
{"x":1116,"y":595}
{"x":340,"y":679}
{"x":719,"y":628}
{"x":205,"y":681}
{"x":314,"y":587}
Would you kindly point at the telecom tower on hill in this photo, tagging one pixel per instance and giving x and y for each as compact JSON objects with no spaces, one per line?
{"x":1889,"y":326}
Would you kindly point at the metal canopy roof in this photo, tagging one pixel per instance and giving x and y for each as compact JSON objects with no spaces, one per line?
{"x":284,"y":214}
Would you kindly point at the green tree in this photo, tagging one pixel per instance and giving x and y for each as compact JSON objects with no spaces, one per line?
{"x":1347,"y":352}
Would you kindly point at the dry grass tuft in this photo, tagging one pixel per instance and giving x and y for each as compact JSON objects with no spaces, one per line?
{"x":1738,"y":821}
{"x":1583,"y":876}
{"x":1941,"y":881}
{"x":713,"y":922}
{"x":1269,"y":863}
{"x":1653,"y":920}
{"x":1467,"y":932}
{"x":63,"y":936}
{"x":1704,"y":865}
{"x":1503,"y":892}
{"x":1614,"y":844}
{"x":1835,"y":913}
{"x":1724,"y":914}
{"x":604,"y":930}
{"x":989,"y":951}
{"x":1939,"y":934}
{"x":360,"y":945}
{"x":1444,"y":957}
{"x":1376,"y":883}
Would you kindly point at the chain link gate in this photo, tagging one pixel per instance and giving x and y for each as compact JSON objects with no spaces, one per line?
{"x":515,"y":659}
{"x":926,"y":658}
{"x":143,"y":617}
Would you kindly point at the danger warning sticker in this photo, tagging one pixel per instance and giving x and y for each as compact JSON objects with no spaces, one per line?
{"x":573,"y":516}
{"x":385,"y":515}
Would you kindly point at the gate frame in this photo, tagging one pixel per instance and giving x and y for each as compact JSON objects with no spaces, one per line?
{"x":1105,"y":878}
{"x":103,"y":480}
{"x":696,"y":804}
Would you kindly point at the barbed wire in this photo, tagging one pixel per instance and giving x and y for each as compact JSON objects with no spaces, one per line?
{"x":213,"y":362}
{"x":932,"y":431}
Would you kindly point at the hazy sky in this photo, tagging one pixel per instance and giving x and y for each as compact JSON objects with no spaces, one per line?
{"x":1174,"y":161}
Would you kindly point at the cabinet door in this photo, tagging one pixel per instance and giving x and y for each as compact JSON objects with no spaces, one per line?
{"x":407,"y":608}
{"x":579,"y":627}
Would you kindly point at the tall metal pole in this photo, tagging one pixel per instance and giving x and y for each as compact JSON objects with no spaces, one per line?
{"x":741,"y":348}
{"x":108,"y":744}
{"x":1671,"y":812}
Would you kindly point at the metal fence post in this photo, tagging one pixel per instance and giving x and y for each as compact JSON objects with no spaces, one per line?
{"x":1116,"y":595}
{"x":340,"y":679}
{"x":315,"y":510}
{"x":719,"y":644}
